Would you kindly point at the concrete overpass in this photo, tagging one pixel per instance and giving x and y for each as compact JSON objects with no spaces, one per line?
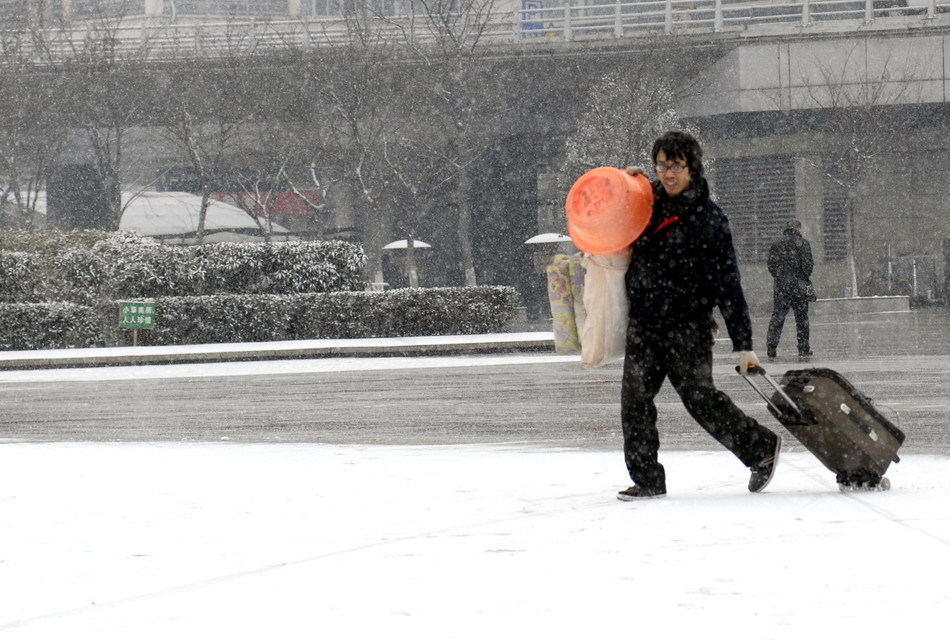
{"x":798,"y":54}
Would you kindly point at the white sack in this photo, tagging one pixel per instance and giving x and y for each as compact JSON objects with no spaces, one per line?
{"x":604,"y":335}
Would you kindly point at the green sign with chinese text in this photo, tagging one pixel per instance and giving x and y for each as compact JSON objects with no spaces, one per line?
{"x":136,"y":314}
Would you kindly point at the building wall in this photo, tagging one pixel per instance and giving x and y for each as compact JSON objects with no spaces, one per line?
{"x":774,"y":99}
{"x":902,"y":214}
{"x":852,"y":69}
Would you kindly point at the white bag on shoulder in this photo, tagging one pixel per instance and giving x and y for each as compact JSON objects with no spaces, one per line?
{"x":604,"y":335}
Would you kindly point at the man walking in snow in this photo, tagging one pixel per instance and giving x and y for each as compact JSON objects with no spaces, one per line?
{"x":684,"y":265}
{"x":790,"y":263}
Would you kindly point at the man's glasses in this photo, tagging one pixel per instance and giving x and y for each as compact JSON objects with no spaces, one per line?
{"x":675,"y":168}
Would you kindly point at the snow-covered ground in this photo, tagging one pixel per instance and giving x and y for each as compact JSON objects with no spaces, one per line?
{"x":284,"y":541}
{"x":225,"y":540}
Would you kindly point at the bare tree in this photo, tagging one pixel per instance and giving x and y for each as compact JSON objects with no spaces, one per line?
{"x":204,"y":116}
{"x":101,"y":91}
{"x":31,"y":135}
{"x":257,"y":193}
{"x":467,"y":99}
{"x":417,"y":179}
{"x":355,"y":91}
{"x":852,"y":103}
{"x":626,"y":111}
{"x":274,"y":161}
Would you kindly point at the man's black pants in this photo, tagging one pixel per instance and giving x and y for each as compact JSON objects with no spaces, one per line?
{"x":782,"y":303}
{"x":684,"y":355}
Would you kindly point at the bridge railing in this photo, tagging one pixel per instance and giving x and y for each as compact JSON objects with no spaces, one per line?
{"x":620,"y":19}
{"x":533,"y":23}
{"x":207,"y":39}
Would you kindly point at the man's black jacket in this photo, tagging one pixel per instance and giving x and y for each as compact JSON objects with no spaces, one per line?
{"x":790,"y":263}
{"x":684,"y":265}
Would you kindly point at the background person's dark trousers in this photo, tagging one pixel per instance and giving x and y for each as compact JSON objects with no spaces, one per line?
{"x":686,"y":358}
{"x":782,"y":305}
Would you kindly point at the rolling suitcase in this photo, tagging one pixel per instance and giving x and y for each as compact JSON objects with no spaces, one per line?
{"x":837,"y":423}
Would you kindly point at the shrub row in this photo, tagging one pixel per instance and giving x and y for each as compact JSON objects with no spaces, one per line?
{"x":281,"y":268}
{"x":50,"y":325}
{"x":265,"y":317}
{"x":128,"y":266}
{"x":54,"y":241}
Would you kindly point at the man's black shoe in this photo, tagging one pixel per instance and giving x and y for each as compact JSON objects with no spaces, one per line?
{"x":771,"y":352}
{"x":636,"y":492}
{"x":762,"y":473}
{"x":806,"y":354}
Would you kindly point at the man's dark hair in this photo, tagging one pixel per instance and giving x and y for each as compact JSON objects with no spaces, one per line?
{"x":679,"y":144}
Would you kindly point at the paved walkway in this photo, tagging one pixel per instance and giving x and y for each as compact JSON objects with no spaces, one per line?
{"x":902,"y":361}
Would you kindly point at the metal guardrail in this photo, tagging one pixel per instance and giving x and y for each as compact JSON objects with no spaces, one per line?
{"x":620,"y":19}
{"x":526,"y":25}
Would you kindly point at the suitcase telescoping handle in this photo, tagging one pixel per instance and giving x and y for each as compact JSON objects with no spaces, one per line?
{"x":760,"y":371}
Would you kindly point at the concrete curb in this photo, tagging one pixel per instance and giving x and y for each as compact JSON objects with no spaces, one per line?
{"x":286,"y":350}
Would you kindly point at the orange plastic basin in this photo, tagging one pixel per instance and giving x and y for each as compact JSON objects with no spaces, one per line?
{"x":607,"y":209}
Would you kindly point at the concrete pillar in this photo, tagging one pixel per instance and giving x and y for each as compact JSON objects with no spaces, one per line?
{"x":293,"y":8}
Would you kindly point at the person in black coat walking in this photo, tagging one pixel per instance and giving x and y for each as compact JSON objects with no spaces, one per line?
{"x":790,"y":263}
{"x":683,"y":266}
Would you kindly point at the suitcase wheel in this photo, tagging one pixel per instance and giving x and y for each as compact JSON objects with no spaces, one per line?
{"x":863,"y":482}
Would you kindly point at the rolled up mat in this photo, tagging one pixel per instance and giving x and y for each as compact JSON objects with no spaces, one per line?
{"x":566,"y":295}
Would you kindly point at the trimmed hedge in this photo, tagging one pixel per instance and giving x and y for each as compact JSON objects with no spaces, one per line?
{"x":263,"y":318}
{"x":50,"y":325}
{"x":64,"y":292}
{"x":21,"y":277}
{"x":128,"y":266}
{"x":53,"y":241}
{"x":240,"y":267}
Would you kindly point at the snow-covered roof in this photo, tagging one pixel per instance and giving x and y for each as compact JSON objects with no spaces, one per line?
{"x":174,"y":213}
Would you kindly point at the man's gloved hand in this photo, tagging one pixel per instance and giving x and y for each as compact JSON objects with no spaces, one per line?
{"x":747,"y":359}
{"x":634,"y":170}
